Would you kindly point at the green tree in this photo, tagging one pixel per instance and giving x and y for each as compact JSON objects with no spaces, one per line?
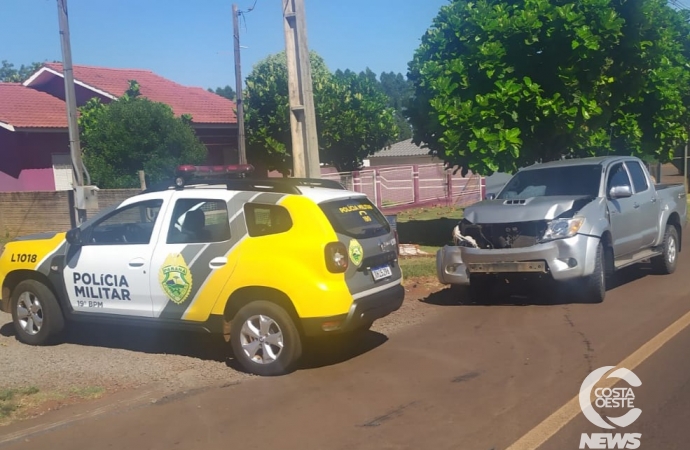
{"x":500,"y":84}
{"x":132,"y":134}
{"x":8,"y":73}
{"x":399,"y":91}
{"x":352,"y":117}
{"x":227,"y":92}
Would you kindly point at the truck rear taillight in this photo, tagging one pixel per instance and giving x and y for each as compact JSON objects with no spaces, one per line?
{"x":336,"y":257}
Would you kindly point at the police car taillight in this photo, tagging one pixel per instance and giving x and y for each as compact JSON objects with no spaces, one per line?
{"x":336,"y":257}
{"x":187,"y":172}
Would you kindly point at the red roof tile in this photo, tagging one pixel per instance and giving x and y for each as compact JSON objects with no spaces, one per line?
{"x":23,"y":107}
{"x":203,"y":106}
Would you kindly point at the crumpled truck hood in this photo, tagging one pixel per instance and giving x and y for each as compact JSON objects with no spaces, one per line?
{"x":523,"y":210}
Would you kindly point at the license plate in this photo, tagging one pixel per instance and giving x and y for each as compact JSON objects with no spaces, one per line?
{"x":382,"y":272}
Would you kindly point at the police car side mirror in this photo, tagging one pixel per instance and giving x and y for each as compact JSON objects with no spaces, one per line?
{"x":491,"y":196}
{"x":73,"y":237}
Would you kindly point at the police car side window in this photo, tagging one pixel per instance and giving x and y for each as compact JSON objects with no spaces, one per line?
{"x":263,"y":220}
{"x":130,"y":225}
{"x":197,"y":220}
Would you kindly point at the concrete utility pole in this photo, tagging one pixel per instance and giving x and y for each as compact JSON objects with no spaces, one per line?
{"x":241,"y":149}
{"x":305,"y":145}
{"x":70,"y":96}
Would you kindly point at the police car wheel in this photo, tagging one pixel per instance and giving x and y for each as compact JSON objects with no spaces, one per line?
{"x":36,"y":313}
{"x":264,"y":339}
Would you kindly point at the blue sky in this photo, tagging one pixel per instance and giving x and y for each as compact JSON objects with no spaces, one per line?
{"x":191,"y":41}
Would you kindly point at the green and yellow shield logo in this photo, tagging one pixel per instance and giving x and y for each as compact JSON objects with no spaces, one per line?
{"x":175,"y":278}
{"x":356,"y":252}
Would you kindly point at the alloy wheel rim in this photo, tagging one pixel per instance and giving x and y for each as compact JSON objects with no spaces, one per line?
{"x":30,"y":313}
{"x":262,"y":339}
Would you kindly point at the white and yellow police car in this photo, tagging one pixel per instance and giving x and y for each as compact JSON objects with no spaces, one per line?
{"x":263,"y":262}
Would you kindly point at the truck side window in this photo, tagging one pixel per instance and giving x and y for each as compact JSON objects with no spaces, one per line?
{"x":618,"y":177}
{"x":638,"y":177}
{"x":197,"y":220}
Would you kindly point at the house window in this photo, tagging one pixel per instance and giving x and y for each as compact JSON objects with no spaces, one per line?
{"x":62,"y":172}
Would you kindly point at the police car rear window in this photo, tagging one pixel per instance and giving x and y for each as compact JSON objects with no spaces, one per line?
{"x":356,"y":217}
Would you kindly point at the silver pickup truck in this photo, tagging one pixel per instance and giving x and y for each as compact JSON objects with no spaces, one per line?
{"x":575,"y":221}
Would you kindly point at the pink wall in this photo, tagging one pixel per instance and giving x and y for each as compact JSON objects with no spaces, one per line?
{"x":26,"y":159}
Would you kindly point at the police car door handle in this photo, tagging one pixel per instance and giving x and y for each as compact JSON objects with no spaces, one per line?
{"x":138,"y":262}
{"x":218,"y":262}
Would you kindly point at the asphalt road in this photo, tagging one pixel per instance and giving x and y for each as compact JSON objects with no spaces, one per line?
{"x":467,"y":377}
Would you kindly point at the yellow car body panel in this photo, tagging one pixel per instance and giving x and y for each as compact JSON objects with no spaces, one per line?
{"x":291,"y":262}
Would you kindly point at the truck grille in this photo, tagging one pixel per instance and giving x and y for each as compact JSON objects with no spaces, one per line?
{"x":506,"y":235}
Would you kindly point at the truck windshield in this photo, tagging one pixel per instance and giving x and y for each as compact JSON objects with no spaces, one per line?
{"x":554,"y":181}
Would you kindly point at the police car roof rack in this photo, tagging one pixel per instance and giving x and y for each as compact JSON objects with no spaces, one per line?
{"x":236,"y":178}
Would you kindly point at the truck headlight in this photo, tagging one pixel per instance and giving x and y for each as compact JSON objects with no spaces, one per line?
{"x":563,"y":228}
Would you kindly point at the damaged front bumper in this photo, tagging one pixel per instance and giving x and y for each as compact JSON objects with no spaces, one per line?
{"x":563,"y":259}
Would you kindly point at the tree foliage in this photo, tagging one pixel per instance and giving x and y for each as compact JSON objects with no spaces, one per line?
{"x":8,"y":73}
{"x":499,"y":84}
{"x":352,"y":117}
{"x":227,"y":92}
{"x":132,"y":134}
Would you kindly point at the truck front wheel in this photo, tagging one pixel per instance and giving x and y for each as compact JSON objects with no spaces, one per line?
{"x":665,"y":264}
{"x":264,"y":339}
{"x":594,"y":286}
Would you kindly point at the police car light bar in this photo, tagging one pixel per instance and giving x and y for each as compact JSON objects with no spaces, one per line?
{"x":186,"y":172}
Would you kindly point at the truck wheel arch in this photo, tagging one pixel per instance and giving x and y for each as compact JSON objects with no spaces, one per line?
{"x":13,"y":279}
{"x":674,"y":220}
{"x":245,"y":295}
{"x":607,"y":242}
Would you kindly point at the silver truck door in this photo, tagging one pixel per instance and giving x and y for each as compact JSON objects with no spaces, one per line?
{"x":623,"y":214}
{"x":645,"y":203}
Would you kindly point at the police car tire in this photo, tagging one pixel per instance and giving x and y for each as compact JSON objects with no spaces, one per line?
{"x":292,"y":343}
{"x":53,"y":320}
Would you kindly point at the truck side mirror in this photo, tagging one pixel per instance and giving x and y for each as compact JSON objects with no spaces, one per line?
{"x":490,"y":196}
{"x":620,"y":192}
{"x":73,"y":237}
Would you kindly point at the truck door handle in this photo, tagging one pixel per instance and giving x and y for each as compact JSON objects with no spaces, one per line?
{"x":654,"y":200}
{"x":218,"y":262}
{"x":137,"y":262}
{"x":636,"y":205}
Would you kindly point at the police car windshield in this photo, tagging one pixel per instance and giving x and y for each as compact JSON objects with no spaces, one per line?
{"x":356,"y":218}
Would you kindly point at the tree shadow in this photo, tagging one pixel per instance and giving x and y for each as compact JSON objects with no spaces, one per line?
{"x":543,"y":293}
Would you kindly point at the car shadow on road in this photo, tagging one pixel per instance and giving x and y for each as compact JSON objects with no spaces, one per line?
{"x":317,"y":352}
{"x":544,"y":293}
{"x":143,"y":340}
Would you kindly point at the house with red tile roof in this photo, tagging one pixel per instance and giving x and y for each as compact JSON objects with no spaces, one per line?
{"x":33,"y":139}
{"x":33,"y":120}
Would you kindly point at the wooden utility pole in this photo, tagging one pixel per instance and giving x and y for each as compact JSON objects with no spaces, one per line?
{"x":241,"y":149}
{"x":70,"y":97}
{"x":305,"y":145}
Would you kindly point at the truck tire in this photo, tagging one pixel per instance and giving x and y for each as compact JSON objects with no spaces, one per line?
{"x":665,"y":264}
{"x":265,"y":340}
{"x":36,"y":314}
{"x":594,"y":286}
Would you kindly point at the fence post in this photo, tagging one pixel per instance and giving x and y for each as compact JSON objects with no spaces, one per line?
{"x":356,"y":181}
{"x":415,"y":184}
{"x":449,"y":183}
{"x":377,"y":188}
